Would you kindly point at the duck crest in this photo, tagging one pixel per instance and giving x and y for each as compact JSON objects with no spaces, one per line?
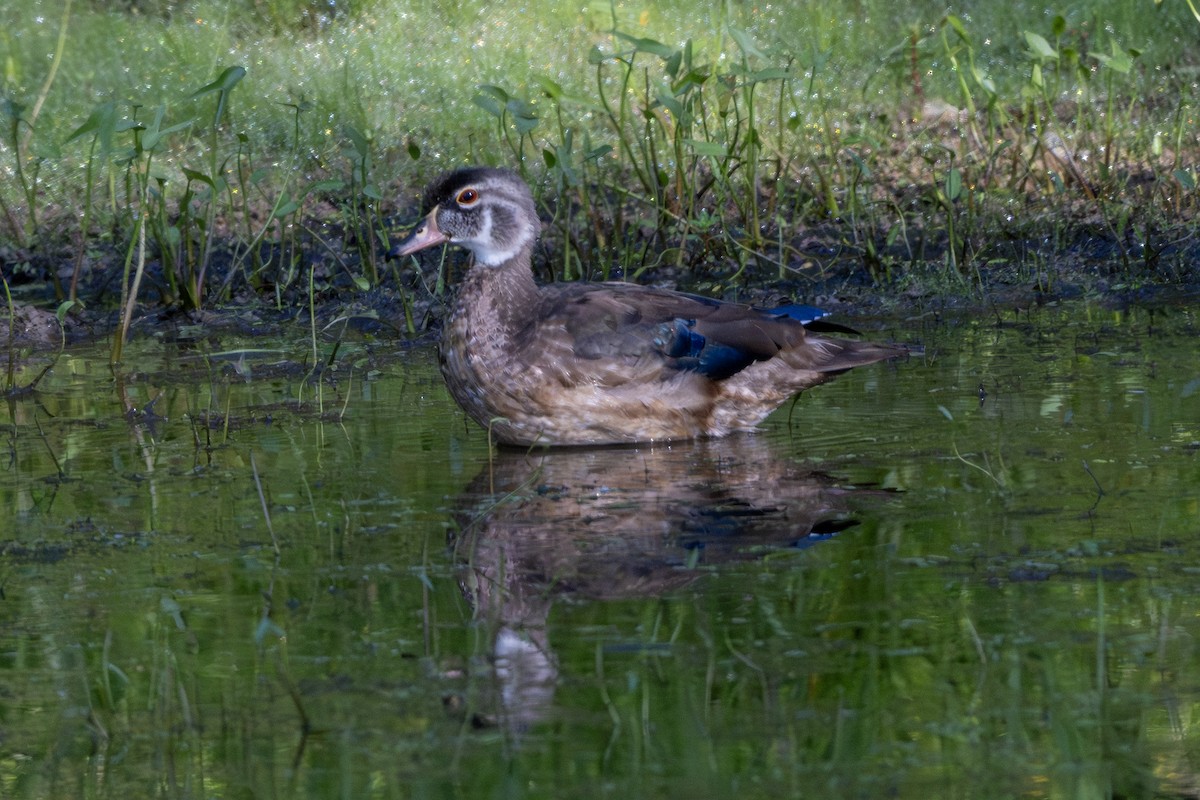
{"x":604,"y":363}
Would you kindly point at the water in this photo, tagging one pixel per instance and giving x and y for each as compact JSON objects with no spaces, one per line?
{"x":971,"y":574}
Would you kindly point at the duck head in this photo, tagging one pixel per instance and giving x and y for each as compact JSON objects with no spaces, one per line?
{"x":488,"y":211}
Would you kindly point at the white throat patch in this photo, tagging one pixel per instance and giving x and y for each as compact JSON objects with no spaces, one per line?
{"x":495,"y":251}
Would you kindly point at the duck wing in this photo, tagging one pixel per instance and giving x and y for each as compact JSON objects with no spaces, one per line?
{"x":614,"y":333}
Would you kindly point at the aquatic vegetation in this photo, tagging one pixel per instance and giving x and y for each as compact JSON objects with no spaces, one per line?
{"x":905,"y":145}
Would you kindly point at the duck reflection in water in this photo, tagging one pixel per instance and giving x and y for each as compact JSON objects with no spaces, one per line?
{"x":613,"y":523}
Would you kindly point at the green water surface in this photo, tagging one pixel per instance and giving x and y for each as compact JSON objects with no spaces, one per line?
{"x":970,"y":574}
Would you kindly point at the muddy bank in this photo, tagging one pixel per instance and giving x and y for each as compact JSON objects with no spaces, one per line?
{"x":411,"y":296}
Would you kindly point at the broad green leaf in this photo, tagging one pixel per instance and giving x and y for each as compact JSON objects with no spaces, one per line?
{"x":892,"y":235}
{"x":597,"y":153}
{"x":1120,"y":61}
{"x":1040,"y":47}
{"x":552,"y":88}
{"x":285,"y":208}
{"x":774,"y":74}
{"x":155,"y":134}
{"x":495,"y":92}
{"x":489,"y":105}
{"x":671,"y":105}
{"x":648,"y":46}
{"x":692,"y":79}
{"x":65,"y":307}
{"x":672,"y":65}
{"x":102,"y":122}
{"x":984,"y":80}
{"x":358,"y":141}
{"x":525,"y":124}
{"x":224,"y":82}
{"x":559,"y":95}
{"x":953,"y":184}
{"x":524,"y":118}
{"x":222,"y":85}
{"x":708,"y":149}
{"x":957,"y":26}
{"x":745,"y":43}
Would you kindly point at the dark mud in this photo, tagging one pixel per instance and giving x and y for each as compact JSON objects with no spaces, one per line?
{"x":1001,"y":268}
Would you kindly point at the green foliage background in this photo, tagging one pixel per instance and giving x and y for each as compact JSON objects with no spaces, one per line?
{"x":927,"y":133}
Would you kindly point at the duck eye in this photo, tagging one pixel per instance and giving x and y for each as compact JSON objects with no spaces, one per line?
{"x":467,"y":197}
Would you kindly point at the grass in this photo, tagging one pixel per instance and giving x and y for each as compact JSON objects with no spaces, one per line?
{"x":188,"y":155}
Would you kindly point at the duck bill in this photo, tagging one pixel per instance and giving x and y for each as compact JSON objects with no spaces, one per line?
{"x":426,"y":234}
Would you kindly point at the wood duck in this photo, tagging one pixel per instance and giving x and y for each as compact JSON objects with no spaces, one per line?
{"x":603,"y":363}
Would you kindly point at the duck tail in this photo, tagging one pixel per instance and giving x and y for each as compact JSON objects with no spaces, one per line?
{"x":840,"y":355}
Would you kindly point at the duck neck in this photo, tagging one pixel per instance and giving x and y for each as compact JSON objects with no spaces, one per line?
{"x":506,"y":294}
